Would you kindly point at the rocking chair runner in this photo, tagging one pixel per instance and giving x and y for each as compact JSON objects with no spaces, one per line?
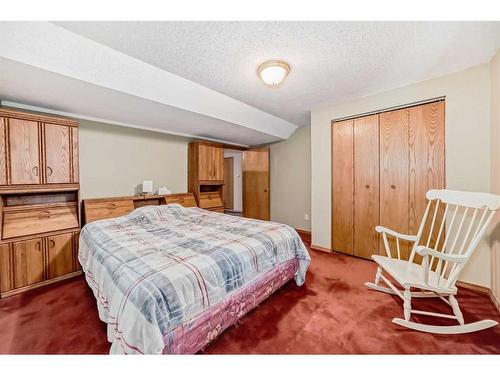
{"x":452,"y":233}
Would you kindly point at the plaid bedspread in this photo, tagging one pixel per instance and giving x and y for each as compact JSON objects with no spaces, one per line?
{"x":159,"y":266}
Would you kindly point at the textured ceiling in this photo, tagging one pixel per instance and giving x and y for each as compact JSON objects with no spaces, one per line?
{"x":331,"y":61}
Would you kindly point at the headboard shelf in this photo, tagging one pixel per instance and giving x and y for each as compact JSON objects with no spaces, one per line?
{"x":107,"y":208}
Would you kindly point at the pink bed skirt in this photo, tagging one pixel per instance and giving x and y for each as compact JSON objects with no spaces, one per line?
{"x":194,"y":334}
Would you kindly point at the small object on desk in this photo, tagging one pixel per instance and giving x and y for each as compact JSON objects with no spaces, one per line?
{"x":147,"y":187}
{"x":164,"y":191}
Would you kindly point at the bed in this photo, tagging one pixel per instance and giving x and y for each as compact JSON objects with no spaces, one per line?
{"x":169,"y":279}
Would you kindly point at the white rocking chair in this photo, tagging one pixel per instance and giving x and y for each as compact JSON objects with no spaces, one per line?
{"x":467,"y":216}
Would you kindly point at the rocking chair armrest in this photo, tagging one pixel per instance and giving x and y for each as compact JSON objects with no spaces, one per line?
{"x":407,"y":237}
{"x":424,"y":251}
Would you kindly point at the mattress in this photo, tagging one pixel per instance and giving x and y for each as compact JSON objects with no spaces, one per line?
{"x":169,"y":279}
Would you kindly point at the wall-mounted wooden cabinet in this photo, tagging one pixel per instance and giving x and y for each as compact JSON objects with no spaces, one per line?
{"x":206,"y":175}
{"x":37,"y":151}
{"x":39,"y":200}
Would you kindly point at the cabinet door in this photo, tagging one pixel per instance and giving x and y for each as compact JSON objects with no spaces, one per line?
{"x":204,"y":163}
{"x":6,"y":282}
{"x":60,"y":255}
{"x":75,"y":154}
{"x":218,"y":163}
{"x":28,"y":262}
{"x":366,"y":186}
{"x":394,"y":181}
{"x":3,"y":153}
{"x":342,"y":186}
{"x":24,"y":149}
{"x":57,"y":153}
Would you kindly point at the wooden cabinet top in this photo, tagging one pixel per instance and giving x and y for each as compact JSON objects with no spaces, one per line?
{"x":36,"y":117}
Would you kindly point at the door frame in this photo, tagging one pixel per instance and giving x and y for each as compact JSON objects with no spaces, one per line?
{"x":232,"y":185}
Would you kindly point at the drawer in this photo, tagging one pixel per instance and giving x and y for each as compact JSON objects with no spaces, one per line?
{"x":26,"y":221}
{"x":186,"y":200}
{"x":107,"y":209}
{"x":210,"y":200}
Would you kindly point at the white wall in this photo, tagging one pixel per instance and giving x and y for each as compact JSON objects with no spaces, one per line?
{"x":237,"y":178}
{"x":114,"y":160}
{"x":467,"y":146}
{"x":495,"y":174}
{"x":291,"y":179}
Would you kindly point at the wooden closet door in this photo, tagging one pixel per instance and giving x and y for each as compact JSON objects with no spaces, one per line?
{"x":57,"y":154}
{"x":342,"y":186}
{"x":366,"y":186}
{"x":28,"y":262}
{"x":394,"y":179}
{"x":426,"y":158}
{"x":24,"y":152}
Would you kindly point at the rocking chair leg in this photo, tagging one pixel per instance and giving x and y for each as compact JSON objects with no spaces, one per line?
{"x":456,"y":309}
{"x":407,"y":304}
{"x":377,"y":276}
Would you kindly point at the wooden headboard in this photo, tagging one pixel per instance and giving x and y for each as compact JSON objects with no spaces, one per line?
{"x":107,"y":208}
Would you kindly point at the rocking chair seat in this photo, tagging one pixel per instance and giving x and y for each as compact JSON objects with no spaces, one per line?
{"x":410,"y":275}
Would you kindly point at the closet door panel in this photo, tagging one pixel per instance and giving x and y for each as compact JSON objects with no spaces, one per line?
{"x":366,"y":186}
{"x":24,"y":152}
{"x":57,"y":153}
{"x":342,"y":186}
{"x":426,"y":158}
{"x":394,"y":179}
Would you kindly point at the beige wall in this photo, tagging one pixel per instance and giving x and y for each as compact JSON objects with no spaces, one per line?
{"x":467,"y":146}
{"x":291,"y":179}
{"x":114,"y":160}
{"x":495,"y":173}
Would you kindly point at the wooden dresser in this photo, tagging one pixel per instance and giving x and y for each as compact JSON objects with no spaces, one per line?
{"x":206,"y":174}
{"x":108,"y":208}
{"x":39,"y":200}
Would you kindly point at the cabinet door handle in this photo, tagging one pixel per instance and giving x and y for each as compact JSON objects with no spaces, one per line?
{"x":37,"y":246}
{"x":393,"y":186}
{"x":35,"y":171}
{"x":367,"y":186}
{"x":52,"y":243}
{"x":266,"y":190}
{"x":49,"y":170}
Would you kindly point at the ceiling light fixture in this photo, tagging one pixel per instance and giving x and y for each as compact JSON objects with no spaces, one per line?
{"x":273,"y":72}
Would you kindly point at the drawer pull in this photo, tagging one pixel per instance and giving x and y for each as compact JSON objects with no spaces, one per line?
{"x":111,"y":206}
{"x":393,"y":186}
{"x":367,"y":186}
{"x":181,"y":200}
{"x":44,"y":214}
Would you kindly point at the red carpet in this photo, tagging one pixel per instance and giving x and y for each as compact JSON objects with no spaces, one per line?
{"x":332,"y":314}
